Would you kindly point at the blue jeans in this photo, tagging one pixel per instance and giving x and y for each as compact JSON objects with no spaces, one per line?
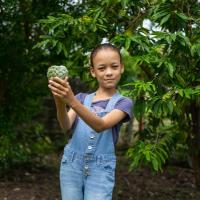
{"x":87,"y":177}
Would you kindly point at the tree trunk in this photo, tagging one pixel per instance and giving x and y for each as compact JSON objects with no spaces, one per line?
{"x":194,"y":141}
{"x":196,"y":167}
{"x":2,"y":91}
{"x":129,"y":131}
{"x":125,"y":136}
{"x":141,"y":124}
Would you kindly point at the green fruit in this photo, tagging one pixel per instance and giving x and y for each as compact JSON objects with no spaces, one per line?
{"x":57,"y":70}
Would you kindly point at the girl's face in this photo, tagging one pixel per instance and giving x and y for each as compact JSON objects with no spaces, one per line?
{"x":107,"y":68}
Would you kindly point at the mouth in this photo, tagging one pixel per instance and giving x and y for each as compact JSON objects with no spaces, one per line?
{"x":109,"y":79}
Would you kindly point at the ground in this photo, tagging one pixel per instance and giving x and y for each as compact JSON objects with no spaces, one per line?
{"x":175,"y":183}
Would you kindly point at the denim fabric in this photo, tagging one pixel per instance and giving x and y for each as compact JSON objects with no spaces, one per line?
{"x":87,"y":170}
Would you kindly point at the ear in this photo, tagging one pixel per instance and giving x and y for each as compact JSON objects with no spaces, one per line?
{"x":92,"y":72}
{"x":122,"y":68}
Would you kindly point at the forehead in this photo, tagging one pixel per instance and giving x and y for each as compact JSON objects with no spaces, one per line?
{"x":104,"y":55}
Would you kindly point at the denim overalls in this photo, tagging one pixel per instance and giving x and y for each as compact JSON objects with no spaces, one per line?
{"x":87,"y":169}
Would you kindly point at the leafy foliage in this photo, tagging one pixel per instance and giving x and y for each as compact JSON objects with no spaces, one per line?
{"x":22,"y":82}
{"x":162,"y":64}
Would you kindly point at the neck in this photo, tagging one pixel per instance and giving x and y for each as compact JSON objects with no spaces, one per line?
{"x":102,"y":93}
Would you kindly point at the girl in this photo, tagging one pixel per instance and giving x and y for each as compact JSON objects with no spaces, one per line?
{"x":87,"y":169}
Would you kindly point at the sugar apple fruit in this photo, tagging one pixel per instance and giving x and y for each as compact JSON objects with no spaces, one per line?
{"x":57,"y":70}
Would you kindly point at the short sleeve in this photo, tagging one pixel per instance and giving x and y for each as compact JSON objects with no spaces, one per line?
{"x":81,"y":97}
{"x":125,"y":104}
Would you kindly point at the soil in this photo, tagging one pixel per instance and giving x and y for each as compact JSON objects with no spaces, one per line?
{"x":175,"y":183}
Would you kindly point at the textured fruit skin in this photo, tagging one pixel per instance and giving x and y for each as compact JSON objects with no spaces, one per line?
{"x":57,"y":70}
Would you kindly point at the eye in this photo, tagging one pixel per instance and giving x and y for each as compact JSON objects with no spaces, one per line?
{"x":101,"y":68}
{"x":115,"y":66}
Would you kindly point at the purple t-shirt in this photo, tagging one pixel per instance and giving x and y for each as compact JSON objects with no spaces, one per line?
{"x":124,"y":104}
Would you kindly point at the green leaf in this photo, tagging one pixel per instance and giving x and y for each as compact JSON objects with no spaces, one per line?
{"x":163,"y":152}
{"x":182,"y":16}
{"x":188,"y":92}
{"x":165,"y":19}
{"x":65,"y":52}
{"x":195,"y":48}
{"x":180,"y":79}
{"x":127,"y":43}
{"x":170,"y":68}
{"x":164,"y":107}
{"x":159,"y":154}
{"x":54,"y":43}
{"x":51,"y":18}
{"x":158,"y":15}
{"x":156,"y":106}
{"x":196,"y":90}
{"x":148,"y":156}
{"x":170,"y":106}
{"x":136,"y":161}
{"x":173,"y":36}
{"x":59,"y":47}
{"x":155,"y":163}
{"x":139,"y":108}
{"x":180,"y":91}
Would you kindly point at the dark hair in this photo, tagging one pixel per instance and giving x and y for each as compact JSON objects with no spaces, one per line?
{"x":101,"y":47}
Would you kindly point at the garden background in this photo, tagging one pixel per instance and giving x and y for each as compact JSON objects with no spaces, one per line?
{"x":159,"y":150}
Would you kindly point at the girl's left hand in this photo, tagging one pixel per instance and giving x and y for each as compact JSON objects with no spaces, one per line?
{"x":61,"y":89}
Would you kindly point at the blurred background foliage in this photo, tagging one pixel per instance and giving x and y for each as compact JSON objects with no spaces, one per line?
{"x":160,"y":44}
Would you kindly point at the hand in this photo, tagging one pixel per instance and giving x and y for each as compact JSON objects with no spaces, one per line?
{"x":61,"y":90}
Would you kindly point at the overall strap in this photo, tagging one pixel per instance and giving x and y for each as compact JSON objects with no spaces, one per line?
{"x":88,"y":100}
{"x":113,"y":101}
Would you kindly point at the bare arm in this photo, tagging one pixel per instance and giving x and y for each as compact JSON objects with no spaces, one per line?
{"x":97,"y":123}
{"x":65,"y":118}
{"x":62,"y":90}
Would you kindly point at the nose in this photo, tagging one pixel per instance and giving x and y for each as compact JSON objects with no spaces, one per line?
{"x":109,"y":72}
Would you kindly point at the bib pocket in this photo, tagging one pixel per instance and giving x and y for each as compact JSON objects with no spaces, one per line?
{"x":65,"y":160}
{"x":107,"y":165}
{"x":71,"y":162}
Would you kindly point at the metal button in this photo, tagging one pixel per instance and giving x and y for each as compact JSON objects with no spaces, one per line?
{"x":92,"y":137}
{"x":86,"y":167}
{"x":89,"y":147}
{"x":86,"y":173}
{"x":87,"y":158}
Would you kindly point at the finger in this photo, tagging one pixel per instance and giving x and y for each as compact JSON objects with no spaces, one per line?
{"x":57,"y":85}
{"x":53,"y":89}
{"x":62,"y":93}
{"x":66,"y":78}
{"x":59,"y":80}
{"x":67,"y":84}
{"x":56,"y":94}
